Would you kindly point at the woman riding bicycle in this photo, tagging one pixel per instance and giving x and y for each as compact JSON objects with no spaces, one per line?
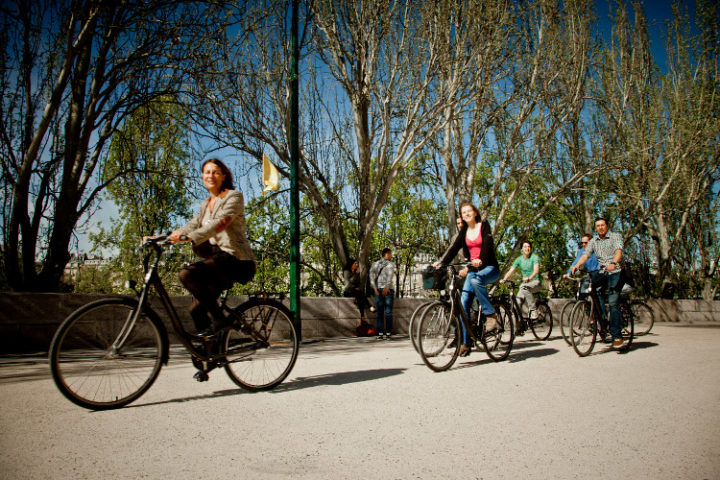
{"x":475,"y":239}
{"x":218,"y":236}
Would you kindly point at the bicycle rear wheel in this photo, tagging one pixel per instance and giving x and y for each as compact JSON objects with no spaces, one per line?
{"x":100,"y":360}
{"x":643,"y":317}
{"x":499,"y":344}
{"x":542,"y":325}
{"x":415,"y":322}
{"x":262,"y":349}
{"x":583,"y":328}
{"x":439,"y":337}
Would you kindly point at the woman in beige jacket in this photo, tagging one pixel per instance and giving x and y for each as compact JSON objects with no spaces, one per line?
{"x":218,"y":235}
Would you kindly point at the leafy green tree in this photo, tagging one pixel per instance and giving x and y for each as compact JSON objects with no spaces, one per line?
{"x":150,"y":161}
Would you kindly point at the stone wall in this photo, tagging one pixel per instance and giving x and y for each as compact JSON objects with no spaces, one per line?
{"x":28,"y":321}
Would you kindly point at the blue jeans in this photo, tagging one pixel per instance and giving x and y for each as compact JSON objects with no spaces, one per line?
{"x":475,"y":286}
{"x":610,"y":285}
{"x":383,"y":306}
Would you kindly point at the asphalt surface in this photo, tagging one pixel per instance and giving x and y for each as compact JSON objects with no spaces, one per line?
{"x":369,"y":409}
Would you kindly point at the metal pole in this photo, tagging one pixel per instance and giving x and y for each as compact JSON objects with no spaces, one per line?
{"x":294,"y":189}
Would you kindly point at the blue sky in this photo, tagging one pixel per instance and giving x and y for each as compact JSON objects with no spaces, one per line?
{"x":657,"y":12}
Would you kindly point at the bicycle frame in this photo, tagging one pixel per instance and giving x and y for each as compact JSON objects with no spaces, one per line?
{"x":456,"y":302}
{"x":152,"y":279}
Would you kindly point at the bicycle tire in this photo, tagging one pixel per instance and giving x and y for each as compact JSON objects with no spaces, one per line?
{"x":439,"y":337}
{"x":643,"y":316}
{"x":543,"y":324}
{"x":414,"y":323}
{"x":583,"y":328}
{"x":565,"y":320}
{"x":261,"y":349}
{"x":628,"y":328}
{"x":499,"y":344}
{"x":93,"y":374}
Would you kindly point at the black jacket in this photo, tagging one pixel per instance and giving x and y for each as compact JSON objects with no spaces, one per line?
{"x":487,"y":252}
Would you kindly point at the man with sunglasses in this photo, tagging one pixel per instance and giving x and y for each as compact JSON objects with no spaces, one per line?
{"x":591,"y":264}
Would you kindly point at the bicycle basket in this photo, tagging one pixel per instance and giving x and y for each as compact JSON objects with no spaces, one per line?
{"x":434,"y":278}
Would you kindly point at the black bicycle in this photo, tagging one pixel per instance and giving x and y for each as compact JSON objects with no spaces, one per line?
{"x":439,"y":333}
{"x":540,"y":324}
{"x":587,"y":324}
{"x":109,"y":352}
{"x":582,"y":291}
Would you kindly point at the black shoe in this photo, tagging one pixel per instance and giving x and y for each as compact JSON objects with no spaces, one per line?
{"x":464,"y":350}
{"x":206,"y":332}
{"x":201,"y":376}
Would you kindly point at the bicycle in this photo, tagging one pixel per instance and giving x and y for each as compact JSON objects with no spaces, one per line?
{"x":541,"y":326}
{"x":581,"y":292}
{"x":587,"y":323}
{"x":643,"y":315}
{"x":413,"y":323}
{"x":440,"y":334}
{"x":108,"y":353}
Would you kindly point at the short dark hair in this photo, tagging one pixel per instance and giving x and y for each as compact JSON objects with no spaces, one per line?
{"x":589,"y":235}
{"x":228,"y":182}
{"x":597,"y":219}
{"x":524,"y":242}
{"x":384,"y":251}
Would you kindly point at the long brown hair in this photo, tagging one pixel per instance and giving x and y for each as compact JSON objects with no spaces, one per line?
{"x":228,"y":182}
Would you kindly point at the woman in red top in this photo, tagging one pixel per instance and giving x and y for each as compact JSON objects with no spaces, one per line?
{"x":475,"y":239}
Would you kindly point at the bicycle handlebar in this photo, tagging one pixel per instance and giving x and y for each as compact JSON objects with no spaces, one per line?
{"x":161,"y":241}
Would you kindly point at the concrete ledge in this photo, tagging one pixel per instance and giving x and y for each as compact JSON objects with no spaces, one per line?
{"x":28,"y":320}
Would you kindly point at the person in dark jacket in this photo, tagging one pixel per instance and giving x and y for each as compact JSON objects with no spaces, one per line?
{"x":354,"y":290}
{"x":476,"y":241}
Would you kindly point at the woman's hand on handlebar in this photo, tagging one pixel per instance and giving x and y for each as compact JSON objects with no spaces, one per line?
{"x":476,"y":262}
{"x":178,"y":237}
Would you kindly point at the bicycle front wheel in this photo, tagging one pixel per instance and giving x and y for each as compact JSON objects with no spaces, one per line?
{"x":583,"y":329}
{"x":262,"y":347}
{"x":628,"y":328}
{"x":499,"y":343}
{"x":542,"y":325}
{"x":565,"y":320}
{"x":643,"y":317}
{"x":415,"y":322}
{"x":100,"y":359}
{"x":439,"y":337}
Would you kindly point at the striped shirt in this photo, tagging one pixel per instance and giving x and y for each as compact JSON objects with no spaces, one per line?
{"x":605,"y":248}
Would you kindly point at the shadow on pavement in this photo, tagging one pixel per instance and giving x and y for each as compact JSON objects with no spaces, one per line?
{"x":298,"y":383}
{"x":339,"y":378}
{"x":23,"y":368}
{"x":605,"y":348}
{"x":514,"y":357}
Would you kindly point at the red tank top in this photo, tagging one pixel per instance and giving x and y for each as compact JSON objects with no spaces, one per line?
{"x":475,"y":246}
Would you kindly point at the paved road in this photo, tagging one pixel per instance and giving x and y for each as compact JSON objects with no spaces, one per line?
{"x":367,"y":409}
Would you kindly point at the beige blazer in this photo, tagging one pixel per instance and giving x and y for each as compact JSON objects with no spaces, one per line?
{"x":227,"y":226}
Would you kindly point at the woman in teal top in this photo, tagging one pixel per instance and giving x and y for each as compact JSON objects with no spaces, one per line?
{"x":529,"y":266}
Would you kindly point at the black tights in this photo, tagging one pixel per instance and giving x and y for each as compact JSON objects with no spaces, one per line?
{"x":206,"y":280}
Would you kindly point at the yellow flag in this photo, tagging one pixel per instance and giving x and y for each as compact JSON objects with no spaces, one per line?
{"x":270,"y":176}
